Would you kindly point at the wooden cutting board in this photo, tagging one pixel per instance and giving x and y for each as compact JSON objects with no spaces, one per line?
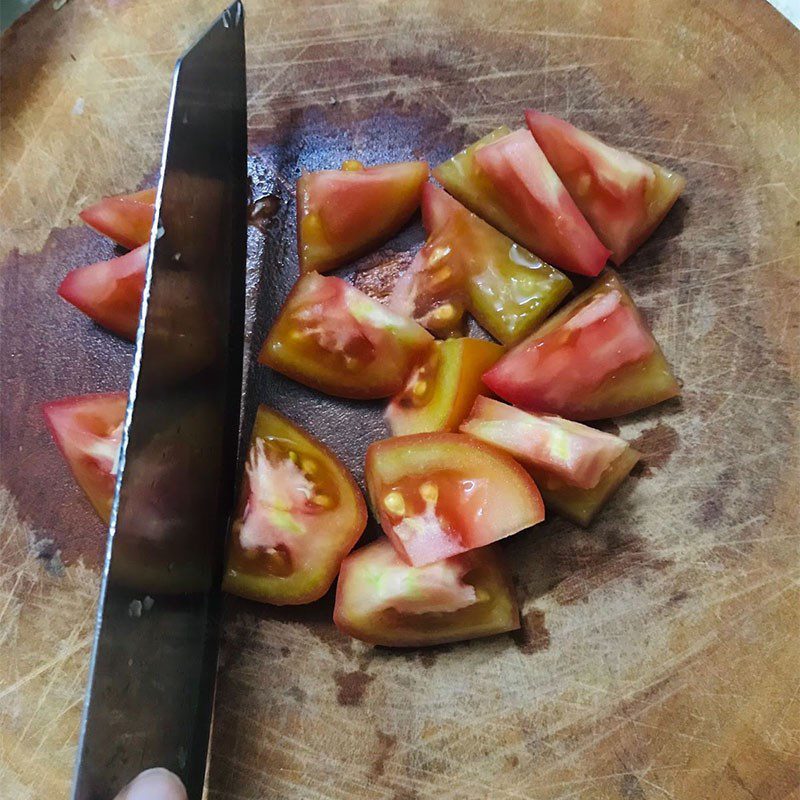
{"x":659,"y":656}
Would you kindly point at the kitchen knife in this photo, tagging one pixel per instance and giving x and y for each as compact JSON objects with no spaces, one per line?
{"x":151,"y":685}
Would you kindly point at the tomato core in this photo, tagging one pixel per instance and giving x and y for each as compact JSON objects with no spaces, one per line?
{"x":287,"y":486}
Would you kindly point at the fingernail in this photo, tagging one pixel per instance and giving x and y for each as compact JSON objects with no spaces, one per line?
{"x":156,"y":784}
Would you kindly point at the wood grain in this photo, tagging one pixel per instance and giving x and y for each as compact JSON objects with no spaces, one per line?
{"x":660,"y":653}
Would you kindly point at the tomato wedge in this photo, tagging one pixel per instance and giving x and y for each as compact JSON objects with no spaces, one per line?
{"x":575,"y":453}
{"x":576,"y":468}
{"x":439,"y":494}
{"x":432,"y":290}
{"x":623,"y":197}
{"x":533,"y":196}
{"x":594,"y":359}
{"x":109,"y":292}
{"x":88,"y":431}
{"x":510,"y":290}
{"x":382,"y":600}
{"x":506,"y":179}
{"x":334,"y":338}
{"x":300,"y":515}
{"x":126,"y":218}
{"x":343,"y":213}
{"x":441,"y":390}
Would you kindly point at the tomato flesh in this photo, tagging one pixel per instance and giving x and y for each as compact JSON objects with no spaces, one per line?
{"x":506,"y":179}
{"x":88,"y":431}
{"x":575,"y":453}
{"x":334,"y":338}
{"x":432,"y":290}
{"x":439,"y":494}
{"x":126,"y":218}
{"x":343,"y":213}
{"x":594,"y":359}
{"x":441,"y":390}
{"x":109,"y":292}
{"x":382,"y":600}
{"x":300,"y":515}
{"x":510,"y":290}
{"x":623,"y":197}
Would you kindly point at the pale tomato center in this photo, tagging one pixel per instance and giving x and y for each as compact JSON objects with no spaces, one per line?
{"x":434,"y":588}
{"x":104,"y":450}
{"x":436,"y":516}
{"x":280,"y":497}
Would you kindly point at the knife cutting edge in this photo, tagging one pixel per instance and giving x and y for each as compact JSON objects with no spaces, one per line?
{"x":151,"y":684}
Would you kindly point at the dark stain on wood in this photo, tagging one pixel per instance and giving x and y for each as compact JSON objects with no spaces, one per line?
{"x":678,"y":598}
{"x":351,"y":687}
{"x":656,"y":445}
{"x":406,"y":794}
{"x":615,"y":557}
{"x":387,"y":744}
{"x":533,"y":635}
{"x":296,"y":693}
{"x":630,"y":787}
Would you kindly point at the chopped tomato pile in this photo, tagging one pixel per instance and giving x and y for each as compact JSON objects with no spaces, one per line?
{"x":485,"y":436}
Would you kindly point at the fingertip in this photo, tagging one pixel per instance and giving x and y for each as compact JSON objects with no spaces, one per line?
{"x":154,"y":784}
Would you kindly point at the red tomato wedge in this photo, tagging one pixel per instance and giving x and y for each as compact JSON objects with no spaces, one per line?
{"x":505,"y":178}
{"x":575,"y":453}
{"x":126,"y":218}
{"x":109,"y":292}
{"x":535,"y":199}
{"x":576,"y":468}
{"x":382,"y":600}
{"x":300,"y":515}
{"x":88,"y":431}
{"x":623,"y":197}
{"x":441,"y":390}
{"x":594,"y":359}
{"x":432,"y":290}
{"x":334,"y":338}
{"x":344,"y":213}
{"x":509,"y":290}
{"x":439,"y":494}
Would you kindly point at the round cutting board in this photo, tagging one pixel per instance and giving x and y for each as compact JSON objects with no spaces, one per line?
{"x":659,"y":653}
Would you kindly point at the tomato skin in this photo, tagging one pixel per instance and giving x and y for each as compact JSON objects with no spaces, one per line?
{"x":342,"y":214}
{"x":453,"y":377}
{"x":509,"y":290}
{"x":481,"y":494}
{"x":320,"y":550}
{"x":125,"y":218}
{"x":608,"y":367}
{"x":623,"y":197}
{"x":506,"y":179}
{"x":496,"y":612}
{"x":88,"y":431}
{"x":109,"y":292}
{"x":349,"y":345}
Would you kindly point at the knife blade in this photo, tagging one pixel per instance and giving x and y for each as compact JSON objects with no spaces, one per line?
{"x":150,"y":694}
